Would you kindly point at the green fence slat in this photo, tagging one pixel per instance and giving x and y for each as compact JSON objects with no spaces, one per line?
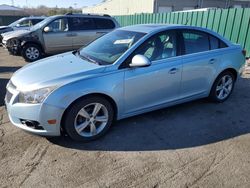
{"x":229,"y":25}
{"x":245,"y":24}
{"x":237,"y":25}
{"x":205,"y":19}
{"x":180,"y":18}
{"x":199,"y":18}
{"x":223,"y":21}
{"x":184,"y":18}
{"x":216,"y":22}
{"x":194,"y":19}
{"x":210,"y":19}
{"x":247,"y":43}
{"x":175,"y":18}
{"x":168,"y":17}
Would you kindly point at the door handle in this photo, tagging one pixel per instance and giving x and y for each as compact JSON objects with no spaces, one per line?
{"x":212,"y":61}
{"x":173,"y":71}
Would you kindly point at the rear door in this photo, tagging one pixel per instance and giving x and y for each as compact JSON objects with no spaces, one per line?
{"x":83,"y":31}
{"x":199,"y":63}
{"x":86,"y":29}
{"x":58,"y":38}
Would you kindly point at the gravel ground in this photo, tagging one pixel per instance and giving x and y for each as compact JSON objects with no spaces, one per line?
{"x":197,"y":144}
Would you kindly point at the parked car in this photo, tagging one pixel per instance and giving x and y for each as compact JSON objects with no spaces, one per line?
{"x":58,"y":34}
{"x":21,"y":24}
{"x":129,"y":71}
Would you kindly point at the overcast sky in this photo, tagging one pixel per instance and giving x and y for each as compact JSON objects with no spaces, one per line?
{"x":51,"y":3}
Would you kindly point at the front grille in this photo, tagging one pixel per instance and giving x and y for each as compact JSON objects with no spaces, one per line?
{"x":8,"y":96}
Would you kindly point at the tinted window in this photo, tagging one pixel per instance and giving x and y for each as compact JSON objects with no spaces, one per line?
{"x":214,"y":43}
{"x":104,"y":23}
{"x":59,"y":25}
{"x":35,"y":21}
{"x":195,"y":41}
{"x":222,"y":44}
{"x":81,"y":23}
{"x":25,"y":23}
{"x":160,"y":46}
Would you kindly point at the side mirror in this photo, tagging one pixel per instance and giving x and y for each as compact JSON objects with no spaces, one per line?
{"x":18,"y":25}
{"x":140,"y":61}
{"x":47,"y":29}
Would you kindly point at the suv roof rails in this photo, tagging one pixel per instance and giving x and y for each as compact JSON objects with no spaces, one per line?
{"x":88,"y":14}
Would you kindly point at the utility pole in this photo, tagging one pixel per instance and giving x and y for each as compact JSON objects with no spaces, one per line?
{"x":12,"y":2}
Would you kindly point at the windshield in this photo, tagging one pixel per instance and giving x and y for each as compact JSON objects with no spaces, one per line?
{"x":16,"y":22}
{"x":108,"y":48}
{"x":41,"y":24}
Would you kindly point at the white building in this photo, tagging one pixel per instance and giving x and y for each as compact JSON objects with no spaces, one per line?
{"x":126,"y":7}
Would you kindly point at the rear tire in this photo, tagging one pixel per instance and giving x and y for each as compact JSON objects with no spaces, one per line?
{"x":31,"y":52}
{"x":223,"y":87}
{"x":88,"y":119}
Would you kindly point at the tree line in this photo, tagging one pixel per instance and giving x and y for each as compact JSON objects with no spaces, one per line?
{"x":43,"y":10}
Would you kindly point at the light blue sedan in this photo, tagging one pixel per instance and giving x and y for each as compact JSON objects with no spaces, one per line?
{"x":129,"y":71}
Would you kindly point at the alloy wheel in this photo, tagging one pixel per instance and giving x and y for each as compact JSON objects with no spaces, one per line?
{"x":91,"y":119}
{"x":224,"y":87}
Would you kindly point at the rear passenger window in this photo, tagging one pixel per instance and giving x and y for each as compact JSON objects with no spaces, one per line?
{"x":195,"y":41}
{"x":81,"y":23}
{"x":104,"y":23}
{"x":216,"y":43}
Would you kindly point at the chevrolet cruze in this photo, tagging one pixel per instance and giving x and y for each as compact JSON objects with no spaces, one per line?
{"x":130,"y":71}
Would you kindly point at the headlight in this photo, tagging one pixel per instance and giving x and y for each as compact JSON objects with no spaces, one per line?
{"x":36,"y":96}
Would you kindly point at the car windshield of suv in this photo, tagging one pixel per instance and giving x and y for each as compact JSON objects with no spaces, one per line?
{"x":108,"y":48}
{"x":41,"y":24}
{"x":17,"y":22}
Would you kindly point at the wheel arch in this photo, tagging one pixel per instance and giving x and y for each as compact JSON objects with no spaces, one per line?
{"x":102,"y":95}
{"x":232,"y":70}
{"x":26,"y":42}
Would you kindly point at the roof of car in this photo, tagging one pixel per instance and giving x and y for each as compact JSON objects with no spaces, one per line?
{"x":35,"y":17}
{"x":151,"y":28}
{"x":148,"y":28}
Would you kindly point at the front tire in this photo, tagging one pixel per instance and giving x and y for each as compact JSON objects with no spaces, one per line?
{"x":88,"y":118}
{"x":31,"y":52}
{"x":222,"y":87}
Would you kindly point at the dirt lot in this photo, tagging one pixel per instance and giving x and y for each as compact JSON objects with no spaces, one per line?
{"x":198,"y":144}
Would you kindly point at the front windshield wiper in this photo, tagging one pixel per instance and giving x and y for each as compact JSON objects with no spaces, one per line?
{"x":87,"y":58}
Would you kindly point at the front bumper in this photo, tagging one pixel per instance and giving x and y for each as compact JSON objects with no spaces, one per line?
{"x":13,"y":47}
{"x":40,"y":113}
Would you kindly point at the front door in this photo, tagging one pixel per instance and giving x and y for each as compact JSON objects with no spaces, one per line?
{"x":59,"y":37}
{"x":147,"y":87}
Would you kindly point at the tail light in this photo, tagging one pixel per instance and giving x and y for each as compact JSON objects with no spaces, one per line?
{"x":244,"y":52}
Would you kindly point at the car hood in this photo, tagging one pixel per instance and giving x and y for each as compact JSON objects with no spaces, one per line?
{"x":15,"y":34}
{"x":54,"y":71}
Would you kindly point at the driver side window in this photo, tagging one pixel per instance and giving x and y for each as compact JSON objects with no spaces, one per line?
{"x":59,"y":25}
{"x":159,"y":46}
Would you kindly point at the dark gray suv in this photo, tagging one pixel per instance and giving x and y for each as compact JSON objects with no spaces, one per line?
{"x":58,"y":34}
